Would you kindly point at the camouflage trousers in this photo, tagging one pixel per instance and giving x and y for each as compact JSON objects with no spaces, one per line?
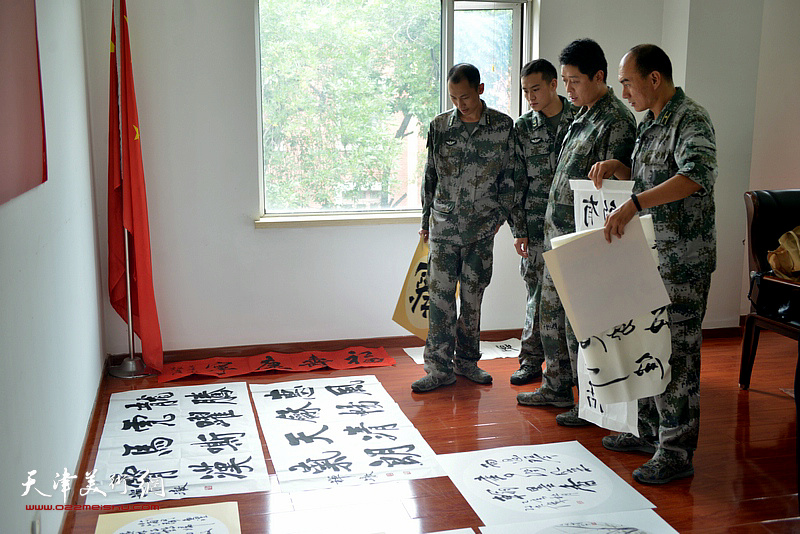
{"x":531,"y":269}
{"x":674,"y":416}
{"x":449,"y":337}
{"x":558,"y":340}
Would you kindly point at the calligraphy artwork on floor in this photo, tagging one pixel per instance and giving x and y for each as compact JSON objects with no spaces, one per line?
{"x":490,"y":350}
{"x":531,"y":482}
{"x":216,"y":518}
{"x":629,"y":522}
{"x":329,"y":432}
{"x":175,"y":443}
{"x":593,"y":206}
{"x":220,"y":367}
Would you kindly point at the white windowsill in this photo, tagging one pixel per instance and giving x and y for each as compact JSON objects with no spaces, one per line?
{"x":338,"y":219}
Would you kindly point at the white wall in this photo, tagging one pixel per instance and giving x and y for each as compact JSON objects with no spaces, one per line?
{"x":724,"y":41}
{"x":675,"y":37}
{"x":219,"y":281}
{"x":616,"y":25}
{"x":50,"y":320}
{"x":777,"y":124}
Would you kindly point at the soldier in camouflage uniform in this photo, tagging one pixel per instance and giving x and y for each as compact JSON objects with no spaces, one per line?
{"x":603,"y":129}
{"x":674,"y":168}
{"x":467,"y":194}
{"x":538,"y":134}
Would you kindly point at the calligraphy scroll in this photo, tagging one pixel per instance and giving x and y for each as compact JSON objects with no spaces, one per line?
{"x":628,"y":522}
{"x":615,"y":416}
{"x":215,"y":518}
{"x":175,"y":443}
{"x":630,"y":361}
{"x":490,"y":350}
{"x":602,"y":285}
{"x":592,"y":206}
{"x":621,"y":322}
{"x":220,"y":367}
{"x":525,"y":483}
{"x":328,"y":432}
{"x":411,"y":311}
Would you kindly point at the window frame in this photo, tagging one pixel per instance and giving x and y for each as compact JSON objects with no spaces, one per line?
{"x":525,"y":33}
{"x":517,"y":44}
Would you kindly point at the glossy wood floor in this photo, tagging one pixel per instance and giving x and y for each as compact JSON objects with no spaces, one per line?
{"x":744,"y":468}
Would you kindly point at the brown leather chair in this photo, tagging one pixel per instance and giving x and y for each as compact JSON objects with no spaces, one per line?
{"x":775,"y":301}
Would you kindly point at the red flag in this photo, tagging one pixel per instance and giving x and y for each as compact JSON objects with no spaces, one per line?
{"x":127,"y":205}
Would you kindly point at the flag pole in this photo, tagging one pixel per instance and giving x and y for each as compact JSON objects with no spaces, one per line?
{"x":132,"y":366}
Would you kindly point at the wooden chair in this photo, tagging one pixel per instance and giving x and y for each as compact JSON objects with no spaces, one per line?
{"x":776,"y":302}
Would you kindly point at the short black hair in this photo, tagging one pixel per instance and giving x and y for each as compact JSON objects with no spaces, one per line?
{"x":465,"y":71}
{"x":542,"y":66}
{"x":587,"y":55}
{"x":649,"y":58}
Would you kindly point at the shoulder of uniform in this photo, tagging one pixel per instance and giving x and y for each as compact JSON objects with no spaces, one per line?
{"x":497,"y":116}
{"x":684,"y":110}
{"x":524,"y":120}
{"x":442,"y":121}
{"x":570,"y":107}
{"x":443,"y":117}
{"x":695,"y":107}
{"x":695,"y":113}
{"x":621,"y":111}
{"x":529,"y":121}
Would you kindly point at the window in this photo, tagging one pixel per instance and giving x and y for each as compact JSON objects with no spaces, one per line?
{"x":349,"y":87}
{"x":487,"y":34}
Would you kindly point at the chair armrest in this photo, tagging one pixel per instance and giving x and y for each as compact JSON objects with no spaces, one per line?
{"x":785,"y":285}
{"x":778,"y":299}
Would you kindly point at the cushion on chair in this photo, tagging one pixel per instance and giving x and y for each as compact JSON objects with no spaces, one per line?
{"x":779,"y":299}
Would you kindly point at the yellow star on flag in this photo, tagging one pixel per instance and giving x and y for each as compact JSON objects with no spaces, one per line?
{"x":137,"y":132}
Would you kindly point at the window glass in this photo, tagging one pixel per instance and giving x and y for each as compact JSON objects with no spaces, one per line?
{"x":483,"y":37}
{"x":348,"y":88}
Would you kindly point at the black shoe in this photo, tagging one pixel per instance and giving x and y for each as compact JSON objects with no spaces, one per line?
{"x":430,"y":382}
{"x":525,"y":374}
{"x":627,"y":442}
{"x":571,"y":418}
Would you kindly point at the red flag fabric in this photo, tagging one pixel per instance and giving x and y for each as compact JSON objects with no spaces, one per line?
{"x":127,"y":204}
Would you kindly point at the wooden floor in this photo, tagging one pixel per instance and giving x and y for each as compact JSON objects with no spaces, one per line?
{"x":744,"y":467}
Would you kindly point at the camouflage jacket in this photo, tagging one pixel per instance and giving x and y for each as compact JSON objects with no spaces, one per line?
{"x":607,"y":130}
{"x":537,"y":149}
{"x":680,"y":140}
{"x":468,"y":188}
